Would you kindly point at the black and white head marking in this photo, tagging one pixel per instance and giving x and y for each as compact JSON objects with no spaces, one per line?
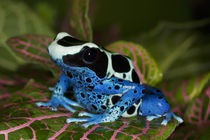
{"x":79,"y":54}
{"x":74,"y":52}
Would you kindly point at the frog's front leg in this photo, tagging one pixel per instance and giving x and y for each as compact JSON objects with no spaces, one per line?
{"x":58,"y":97}
{"x":113,"y":113}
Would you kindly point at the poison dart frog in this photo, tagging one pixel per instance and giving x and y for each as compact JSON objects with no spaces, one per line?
{"x":103,"y":83}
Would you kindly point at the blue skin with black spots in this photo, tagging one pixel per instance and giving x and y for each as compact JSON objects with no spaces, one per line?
{"x":95,"y":94}
{"x":92,"y":93}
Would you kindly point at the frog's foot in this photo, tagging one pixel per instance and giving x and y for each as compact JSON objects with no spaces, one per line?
{"x":169,"y":115}
{"x":47,"y":104}
{"x":179,"y":119}
{"x":56,"y":101}
{"x":94,"y":119}
{"x":51,"y":88}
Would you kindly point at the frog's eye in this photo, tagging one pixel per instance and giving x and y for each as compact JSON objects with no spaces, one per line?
{"x":89,"y":55}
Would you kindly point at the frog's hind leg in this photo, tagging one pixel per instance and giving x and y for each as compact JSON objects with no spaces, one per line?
{"x":54,"y":103}
{"x":114,"y":112}
{"x":169,"y":115}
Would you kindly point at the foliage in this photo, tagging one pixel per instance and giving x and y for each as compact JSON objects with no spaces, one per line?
{"x":176,"y":48}
{"x":17,"y":19}
{"x":183,"y":48}
{"x":79,"y":19}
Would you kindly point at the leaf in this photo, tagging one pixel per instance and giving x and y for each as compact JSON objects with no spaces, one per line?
{"x":19,"y":118}
{"x":16,"y":19}
{"x":8,"y":85}
{"x":197,"y":119}
{"x":33,"y":48}
{"x":145,"y":66}
{"x":183,"y":92}
{"x":179,"y":48}
{"x":79,"y":19}
{"x":198,"y":111}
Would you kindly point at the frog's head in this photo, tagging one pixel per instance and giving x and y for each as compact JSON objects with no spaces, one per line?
{"x":72,"y":52}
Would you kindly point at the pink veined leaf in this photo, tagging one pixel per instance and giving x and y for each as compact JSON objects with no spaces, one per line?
{"x":192,"y":103}
{"x":6,"y":84}
{"x":79,"y":20}
{"x":4,"y":94}
{"x":22,"y":120}
{"x":199,"y":111}
{"x":33,"y":48}
{"x":145,"y":66}
{"x":185,"y":91}
{"x":197,"y":120}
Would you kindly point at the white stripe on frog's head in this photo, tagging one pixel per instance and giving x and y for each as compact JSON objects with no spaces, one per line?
{"x":65,"y":44}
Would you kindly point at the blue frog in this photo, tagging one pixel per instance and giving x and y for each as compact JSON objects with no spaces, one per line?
{"x":101,"y":82}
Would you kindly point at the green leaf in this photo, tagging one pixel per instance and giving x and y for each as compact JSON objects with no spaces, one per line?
{"x":16,"y":19}
{"x":182,"y":92}
{"x":197,"y":119}
{"x":19,"y":118}
{"x":180,"y":49}
{"x":79,"y":20}
{"x":145,"y":66}
{"x":33,"y":48}
{"x":198,"y":111}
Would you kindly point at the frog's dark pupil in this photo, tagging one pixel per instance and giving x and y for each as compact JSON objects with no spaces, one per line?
{"x":90,"y":55}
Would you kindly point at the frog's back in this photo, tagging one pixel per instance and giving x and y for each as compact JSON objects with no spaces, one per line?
{"x":121,"y":66}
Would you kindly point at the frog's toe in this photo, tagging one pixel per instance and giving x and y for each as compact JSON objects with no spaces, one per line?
{"x":69,"y":120}
{"x":86,"y":114}
{"x":164,"y":122}
{"x":68,"y":107}
{"x":70,"y":102}
{"x":47,"y":104}
{"x":94,"y":119}
{"x":39,"y":104}
{"x":86,"y":125}
{"x":54,"y":109}
{"x":179,"y":119}
{"x":51,"y":88}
